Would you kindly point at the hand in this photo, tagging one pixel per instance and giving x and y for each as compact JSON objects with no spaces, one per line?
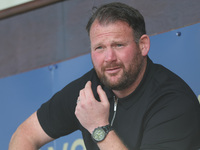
{"x":90,"y":112}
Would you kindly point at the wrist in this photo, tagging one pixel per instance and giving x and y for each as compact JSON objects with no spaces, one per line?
{"x":92,"y":128}
{"x":100,"y":133}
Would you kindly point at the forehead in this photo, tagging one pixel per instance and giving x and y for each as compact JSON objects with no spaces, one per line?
{"x":98,"y":29}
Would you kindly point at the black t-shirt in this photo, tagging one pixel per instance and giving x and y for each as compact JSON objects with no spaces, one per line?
{"x":161,"y":114}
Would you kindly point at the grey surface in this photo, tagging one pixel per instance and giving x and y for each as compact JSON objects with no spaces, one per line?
{"x":57,"y":32}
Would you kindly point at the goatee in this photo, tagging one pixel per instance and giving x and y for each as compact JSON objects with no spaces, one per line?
{"x":128,"y":76}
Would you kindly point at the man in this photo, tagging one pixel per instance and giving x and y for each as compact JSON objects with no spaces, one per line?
{"x":125,"y":102}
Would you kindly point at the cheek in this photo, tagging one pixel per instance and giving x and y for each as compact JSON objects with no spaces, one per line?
{"x":97,"y":59}
{"x":126,"y":58}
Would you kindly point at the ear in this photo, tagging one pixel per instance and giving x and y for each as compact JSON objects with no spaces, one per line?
{"x":144,"y":44}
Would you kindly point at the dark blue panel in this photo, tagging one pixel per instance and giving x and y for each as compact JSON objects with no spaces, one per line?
{"x":23,"y":94}
{"x":180,"y":54}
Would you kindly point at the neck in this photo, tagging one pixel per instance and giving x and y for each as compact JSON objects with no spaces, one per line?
{"x":132,"y":87}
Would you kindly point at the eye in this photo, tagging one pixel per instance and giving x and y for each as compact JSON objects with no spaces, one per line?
{"x":99,"y":48}
{"x":119,"y":45}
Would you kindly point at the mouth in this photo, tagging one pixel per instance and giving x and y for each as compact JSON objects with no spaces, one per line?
{"x":113,"y":70}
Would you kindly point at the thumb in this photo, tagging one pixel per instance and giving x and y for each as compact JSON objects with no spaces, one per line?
{"x":102,"y":94}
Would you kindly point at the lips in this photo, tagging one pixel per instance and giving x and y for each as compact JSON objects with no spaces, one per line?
{"x":112,"y":70}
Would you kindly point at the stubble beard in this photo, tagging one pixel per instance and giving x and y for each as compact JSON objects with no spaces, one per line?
{"x":127,"y":78}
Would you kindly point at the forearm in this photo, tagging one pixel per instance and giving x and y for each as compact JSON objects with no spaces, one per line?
{"x":29,"y":135}
{"x":112,"y":141}
{"x":21,"y":142}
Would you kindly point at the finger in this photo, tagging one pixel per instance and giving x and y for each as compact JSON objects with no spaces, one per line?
{"x":81,"y":95}
{"x":88,"y":84}
{"x":102,"y":94}
{"x":88,"y":91}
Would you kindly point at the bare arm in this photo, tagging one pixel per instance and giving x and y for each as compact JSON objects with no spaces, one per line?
{"x":29,"y":135}
{"x":112,"y":141}
{"x":93,"y":114}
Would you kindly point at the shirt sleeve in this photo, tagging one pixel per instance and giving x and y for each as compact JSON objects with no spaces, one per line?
{"x":56,"y":116}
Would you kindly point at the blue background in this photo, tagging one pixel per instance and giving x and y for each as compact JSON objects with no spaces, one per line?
{"x":23,"y":94}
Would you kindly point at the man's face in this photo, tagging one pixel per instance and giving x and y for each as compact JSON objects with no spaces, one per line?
{"x":115,"y":55}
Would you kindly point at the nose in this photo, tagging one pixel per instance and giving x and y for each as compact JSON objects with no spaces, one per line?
{"x":110,"y":55}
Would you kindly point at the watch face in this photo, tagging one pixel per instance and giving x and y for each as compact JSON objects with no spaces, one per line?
{"x":99,"y":134}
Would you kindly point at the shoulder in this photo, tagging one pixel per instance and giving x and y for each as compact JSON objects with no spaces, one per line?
{"x":165,"y":80}
{"x":165,"y":88}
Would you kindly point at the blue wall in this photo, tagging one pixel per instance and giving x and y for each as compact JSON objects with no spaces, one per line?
{"x":23,"y":94}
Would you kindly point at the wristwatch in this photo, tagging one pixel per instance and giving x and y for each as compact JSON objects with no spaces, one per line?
{"x":100,"y":133}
